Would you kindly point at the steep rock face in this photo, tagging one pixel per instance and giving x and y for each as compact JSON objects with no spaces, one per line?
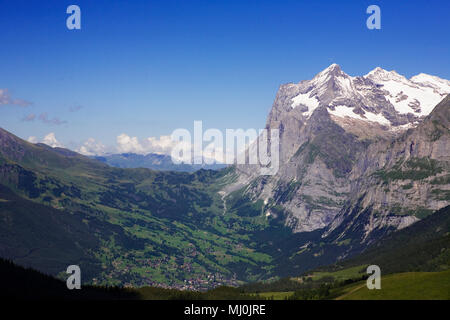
{"x":311,"y":183}
{"x":397,"y":182}
{"x":334,"y":133}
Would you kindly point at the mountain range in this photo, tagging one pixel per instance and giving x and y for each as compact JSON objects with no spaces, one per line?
{"x":154,"y":161}
{"x":360,"y":158}
{"x":356,"y":144}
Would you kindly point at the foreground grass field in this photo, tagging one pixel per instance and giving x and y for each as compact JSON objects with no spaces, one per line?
{"x":344,"y":274}
{"x":403,"y":286}
{"x":276,"y":295}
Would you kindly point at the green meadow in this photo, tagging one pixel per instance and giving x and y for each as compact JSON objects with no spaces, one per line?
{"x":403,"y":286}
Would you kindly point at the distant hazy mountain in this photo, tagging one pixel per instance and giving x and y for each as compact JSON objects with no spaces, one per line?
{"x":153,"y":161}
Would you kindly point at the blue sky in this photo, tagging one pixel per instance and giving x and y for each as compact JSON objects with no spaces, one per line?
{"x":145,"y":68}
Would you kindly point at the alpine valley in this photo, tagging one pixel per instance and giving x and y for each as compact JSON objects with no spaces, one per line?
{"x":360,"y":158}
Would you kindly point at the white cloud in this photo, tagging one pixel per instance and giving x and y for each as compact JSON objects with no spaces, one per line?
{"x":45,"y":119}
{"x":127,"y":144}
{"x":92,"y":147}
{"x":51,"y":141}
{"x":164,"y":145}
{"x":6,"y":99}
{"x":29,"y":117}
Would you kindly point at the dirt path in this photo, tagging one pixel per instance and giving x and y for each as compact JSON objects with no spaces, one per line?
{"x":223,"y":194}
{"x":350,"y":292}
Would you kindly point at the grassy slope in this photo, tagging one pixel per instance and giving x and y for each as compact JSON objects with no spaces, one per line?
{"x":403,"y":286}
{"x":22,"y":283}
{"x":424,"y":246}
{"x":17,"y":282}
{"x":397,"y":286}
{"x":339,"y":275}
{"x":36,"y":235}
{"x":276,"y":295}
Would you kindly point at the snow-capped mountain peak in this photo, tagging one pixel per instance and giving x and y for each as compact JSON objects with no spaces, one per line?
{"x":331,"y":71}
{"x":380,"y":74}
{"x":416,"y":96}
{"x":382,"y":97}
{"x":441,"y":86}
